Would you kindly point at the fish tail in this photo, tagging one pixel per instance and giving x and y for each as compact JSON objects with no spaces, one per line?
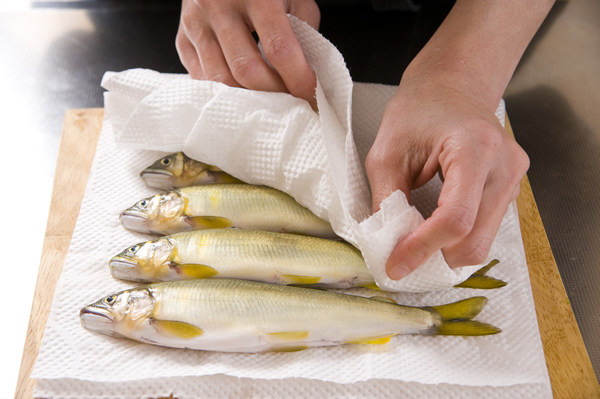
{"x":479,"y":279}
{"x":456,"y":318}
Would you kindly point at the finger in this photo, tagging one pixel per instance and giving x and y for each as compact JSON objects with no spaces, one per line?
{"x":243,"y":57}
{"x":502,"y":188}
{"x":475,"y":247}
{"x":283,"y":50}
{"x":188,"y":55}
{"x":307,"y":11}
{"x":452,"y":220}
{"x":210,"y":54}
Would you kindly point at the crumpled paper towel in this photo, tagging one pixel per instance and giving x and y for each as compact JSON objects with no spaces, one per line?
{"x":76,"y":363}
{"x":279,"y":141}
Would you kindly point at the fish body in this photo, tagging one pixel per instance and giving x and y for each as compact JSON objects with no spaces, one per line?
{"x":224,"y":205}
{"x":178,"y":170}
{"x":244,"y":254}
{"x":244,"y":316}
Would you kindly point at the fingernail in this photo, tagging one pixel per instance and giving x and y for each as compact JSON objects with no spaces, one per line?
{"x":399,"y":272}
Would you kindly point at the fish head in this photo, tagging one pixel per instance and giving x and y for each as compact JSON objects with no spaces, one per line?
{"x":144,"y":262}
{"x":165,"y":172}
{"x":120,"y":314}
{"x":155,"y":215}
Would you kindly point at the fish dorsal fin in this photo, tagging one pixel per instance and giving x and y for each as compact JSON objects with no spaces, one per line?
{"x":292,"y":279}
{"x":294,"y":348}
{"x":479,"y":280}
{"x":191,"y":270}
{"x":177,"y":329}
{"x":383,"y":299}
{"x":290,"y":336}
{"x":208,"y":222}
{"x":372,"y":341}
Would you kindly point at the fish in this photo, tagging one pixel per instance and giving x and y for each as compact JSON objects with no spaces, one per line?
{"x":245,"y":316}
{"x":178,"y":170}
{"x":258,"y":256}
{"x":220,"y":206}
{"x":274,"y":258}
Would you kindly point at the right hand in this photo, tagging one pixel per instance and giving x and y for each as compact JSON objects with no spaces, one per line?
{"x":215,"y":43}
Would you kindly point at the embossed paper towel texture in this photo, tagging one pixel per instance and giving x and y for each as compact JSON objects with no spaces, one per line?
{"x":73,"y":359}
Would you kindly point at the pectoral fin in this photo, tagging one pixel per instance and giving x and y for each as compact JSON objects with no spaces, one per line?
{"x":372,"y":286}
{"x":177,"y":329}
{"x":291,"y":279}
{"x":372,"y":341}
{"x":290,"y":336}
{"x":295,"y":348}
{"x":196,"y":271}
{"x":208,"y":222}
{"x":383,"y":299}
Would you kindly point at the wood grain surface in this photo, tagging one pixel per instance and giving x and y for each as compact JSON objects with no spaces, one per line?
{"x":81,"y":129}
{"x":569,"y":366}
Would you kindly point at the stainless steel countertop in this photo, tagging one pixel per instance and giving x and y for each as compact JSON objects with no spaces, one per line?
{"x":55,"y":53}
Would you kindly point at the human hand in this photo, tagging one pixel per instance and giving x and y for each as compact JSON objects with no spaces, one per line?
{"x":433,"y":124}
{"x":215,"y":43}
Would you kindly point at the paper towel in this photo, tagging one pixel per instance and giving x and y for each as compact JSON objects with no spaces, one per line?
{"x":74,"y":362}
{"x":277,"y":140}
{"x":72,"y":358}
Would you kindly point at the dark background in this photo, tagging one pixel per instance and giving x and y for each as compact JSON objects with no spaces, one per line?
{"x":55,"y":53}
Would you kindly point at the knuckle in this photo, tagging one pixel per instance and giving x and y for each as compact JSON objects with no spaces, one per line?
{"x":477,"y":254}
{"x":459,"y":221}
{"x":279,"y":47}
{"x":244,"y":69}
{"x":417,"y":248}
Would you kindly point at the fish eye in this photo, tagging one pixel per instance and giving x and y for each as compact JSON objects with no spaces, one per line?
{"x":110,"y":300}
{"x":143,"y":203}
{"x":165,"y":161}
{"x":134,"y":248}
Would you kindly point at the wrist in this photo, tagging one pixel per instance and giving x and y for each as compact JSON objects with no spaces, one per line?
{"x":478,"y":46}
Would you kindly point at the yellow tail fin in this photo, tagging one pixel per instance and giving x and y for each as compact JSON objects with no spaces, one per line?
{"x":479,"y":280}
{"x":456,"y":318}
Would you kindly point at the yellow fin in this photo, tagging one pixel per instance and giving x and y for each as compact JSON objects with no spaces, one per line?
{"x":372,"y":286}
{"x":466,"y":327}
{"x":462,"y":310}
{"x":480,"y":281}
{"x":290,"y":335}
{"x":295,"y":348}
{"x":383,"y":299}
{"x":208,"y":222}
{"x":178,"y":329}
{"x":222,"y":177}
{"x":291,"y":279}
{"x":372,"y":341}
{"x":196,"y":271}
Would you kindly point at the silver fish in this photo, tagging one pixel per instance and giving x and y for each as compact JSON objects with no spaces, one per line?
{"x":243,"y":316}
{"x":178,"y":170}
{"x":224,"y":205}
{"x":244,"y":254}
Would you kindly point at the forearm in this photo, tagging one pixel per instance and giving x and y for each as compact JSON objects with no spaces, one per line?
{"x":479,"y":45}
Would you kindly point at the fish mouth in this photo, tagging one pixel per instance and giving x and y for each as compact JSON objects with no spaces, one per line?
{"x":158,"y":178}
{"x":134,"y":220}
{"x":156,"y":173}
{"x":96,"y":319}
{"x":124,"y":269}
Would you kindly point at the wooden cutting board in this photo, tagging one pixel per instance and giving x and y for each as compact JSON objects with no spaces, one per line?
{"x":569,"y":366}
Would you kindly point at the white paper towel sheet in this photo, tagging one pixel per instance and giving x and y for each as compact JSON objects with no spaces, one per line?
{"x":77,"y":363}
